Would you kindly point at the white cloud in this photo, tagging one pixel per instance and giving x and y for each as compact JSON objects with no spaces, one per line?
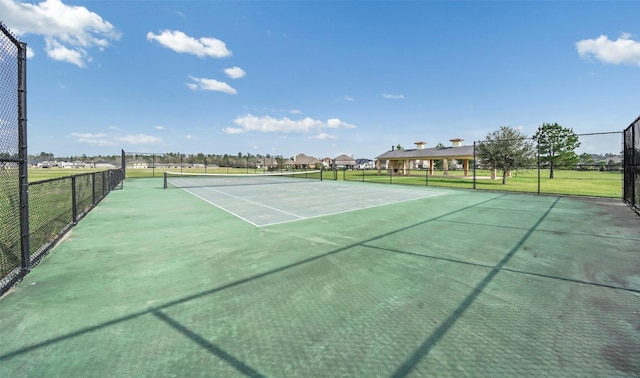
{"x":98,"y":139}
{"x":349,"y":98}
{"x":284,"y":125}
{"x":335,"y":123}
{"x":235,"y":72}
{"x":295,"y":111}
{"x":139,"y":139}
{"x":233,"y":130}
{"x":323,"y":136}
{"x":57,"y":51}
{"x":30,"y":53}
{"x":160,"y":127}
{"x":89,"y":135}
{"x":182,"y":43}
{"x":210,"y":85}
{"x":393,"y":96}
{"x":69,"y":31}
{"x":623,"y":50}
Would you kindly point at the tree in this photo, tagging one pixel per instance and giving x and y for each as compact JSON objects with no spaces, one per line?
{"x":556,"y":145}
{"x":585,"y":160}
{"x":506,"y":149}
{"x":399,"y":147}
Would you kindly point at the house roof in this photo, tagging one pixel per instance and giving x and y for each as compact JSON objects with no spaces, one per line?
{"x":345,"y":159}
{"x":461,"y":152}
{"x":269,"y":161}
{"x":302,"y":159}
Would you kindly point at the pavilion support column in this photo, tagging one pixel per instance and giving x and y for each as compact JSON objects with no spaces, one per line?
{"x":430,"y":167}
{"x":378,"y":165}
{"x":466,"y":167}
{"x":445,"y":167}
{"x":408,"y":164}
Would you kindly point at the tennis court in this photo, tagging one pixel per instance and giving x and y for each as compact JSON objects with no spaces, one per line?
{"x":282,"y":198}
{"x":368,"y":280}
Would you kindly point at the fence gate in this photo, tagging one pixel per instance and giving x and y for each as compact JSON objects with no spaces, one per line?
{"x":14,"y":215}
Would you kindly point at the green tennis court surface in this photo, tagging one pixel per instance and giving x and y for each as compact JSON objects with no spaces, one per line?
{"x":280,"y":203}
{"x":159,"y":283}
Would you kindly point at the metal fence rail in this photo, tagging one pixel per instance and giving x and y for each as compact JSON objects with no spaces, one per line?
{"x":632,"y":165}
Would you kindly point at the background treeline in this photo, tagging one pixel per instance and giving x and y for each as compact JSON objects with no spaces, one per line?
{"x":239,"y":160}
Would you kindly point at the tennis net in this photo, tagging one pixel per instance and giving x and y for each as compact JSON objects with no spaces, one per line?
{"x":194,"y":180}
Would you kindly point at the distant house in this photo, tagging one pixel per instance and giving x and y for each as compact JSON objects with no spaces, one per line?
{"x":612,"y":163}
{"x":138,"y":164}
{"x":302,"y":161}
{"x":267,"y":163}
{"x":327,"y":162}
{"x":344,"y":162}
{"x":72,"y":164}
{"x":103,"y":164}
{"x":365,"y":164}
{"x":47,"y":164}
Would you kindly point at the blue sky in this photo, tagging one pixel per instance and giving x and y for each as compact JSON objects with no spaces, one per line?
{"x":321,"y":78}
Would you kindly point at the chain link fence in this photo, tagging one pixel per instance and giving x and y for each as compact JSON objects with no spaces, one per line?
{"x":594,"y":168}
{"x":13,"y":160}
{"x":154,"y":164}
{"x":34,"y":216}
{"x":56,"y":205}
{"x":632,"y":165}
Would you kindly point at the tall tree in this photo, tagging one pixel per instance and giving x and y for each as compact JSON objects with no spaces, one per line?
{"x":556,"y":145}
{"x":506,"y":149}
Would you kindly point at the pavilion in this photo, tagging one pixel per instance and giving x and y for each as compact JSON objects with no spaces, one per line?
{"x":399,"y":162}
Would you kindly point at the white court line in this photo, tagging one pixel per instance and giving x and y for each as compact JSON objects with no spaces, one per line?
{"x":299,"y":217}
{"x":243,"y":199}
{"x":255,"y":203}
{"x":360,"y":208}
{"x":220,"y":207}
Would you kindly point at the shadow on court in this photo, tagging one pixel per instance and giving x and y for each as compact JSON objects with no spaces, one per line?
{"x":161,"y":283}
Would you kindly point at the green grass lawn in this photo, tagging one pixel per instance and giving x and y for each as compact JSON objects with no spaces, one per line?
{"x":586,"y":183}
{"x":39,"y":174}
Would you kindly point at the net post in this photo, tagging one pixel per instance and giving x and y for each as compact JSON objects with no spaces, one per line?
{"x":164,"y":179}
{"x":123,"y":163}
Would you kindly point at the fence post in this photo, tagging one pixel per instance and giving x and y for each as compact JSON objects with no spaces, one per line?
{"x":539,"y":172}
{"x":24,"y":158}
{"x":93,"y":189}
{"x":474,"y":165}
{"x":426,"y":177}
{"x":74,"y":206}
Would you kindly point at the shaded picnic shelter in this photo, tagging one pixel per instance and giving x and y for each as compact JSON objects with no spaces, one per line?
{"x":401,"y":161}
